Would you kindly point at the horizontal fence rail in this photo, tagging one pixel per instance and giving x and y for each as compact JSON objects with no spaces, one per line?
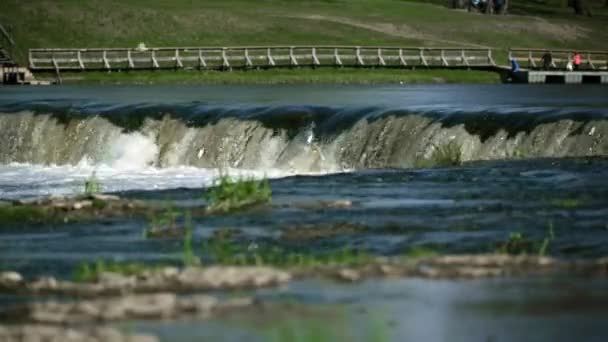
{"x":533,"y":58}
{"x":226,"y":58}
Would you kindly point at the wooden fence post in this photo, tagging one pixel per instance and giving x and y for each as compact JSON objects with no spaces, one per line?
{"x":490,"y":58}
{"x":269,"y":58}
{"x":154,"y":61}
{"x":178,"y":61}
{"x":201,"y":60}
{"x":380,"y":59}
{"x":401,"y":58}
{"x":130,"y":60}
{"x":80,"y":63}
{"x":247,"y":59}
{"x":359,"y":59}
{"x":106,"y":63}
{"x":225,"y":63}
{"x":292,"y":59}
{"x":422,"y":59}
{"x":444,"y":61}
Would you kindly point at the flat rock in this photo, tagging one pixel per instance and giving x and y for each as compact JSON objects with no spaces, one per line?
{"x":35,"y":332}
{"x":104,"y":197}
{"x":189,"y":279}
{"x":131,"y":307}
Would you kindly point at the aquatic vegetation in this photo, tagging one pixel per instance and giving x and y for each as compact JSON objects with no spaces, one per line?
{"x":448,"y":154}
{"x":87,"y":272}
{"x":542,"y":251}
{"x":164,"y":223}
{"x":24,"y":213}
{"x":516,"y":244}
{"x":421,"y":252}
{"x":567,"y":203}
{"x":228,"y":194}
{"x":92,"y":185}
{"x":226,"y":252}
{"x":188,"y":256}
{"x":99,"y":204}
{"x":303,"y":233}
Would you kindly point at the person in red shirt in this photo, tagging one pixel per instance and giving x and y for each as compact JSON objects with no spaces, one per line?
{"x":576,"y":60}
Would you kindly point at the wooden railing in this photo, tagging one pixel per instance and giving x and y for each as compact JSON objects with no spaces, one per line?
{"x":532,"y":58}
{"x":224,"y":58}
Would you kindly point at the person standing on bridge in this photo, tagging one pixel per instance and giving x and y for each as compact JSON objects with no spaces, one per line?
{"x":576,"y":61}
{"x":547,"y":60}
{"x":514,"y":66}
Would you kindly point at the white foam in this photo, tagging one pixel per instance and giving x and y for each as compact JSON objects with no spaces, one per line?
{"x":132,"y":151}
{"x":25,"y":180}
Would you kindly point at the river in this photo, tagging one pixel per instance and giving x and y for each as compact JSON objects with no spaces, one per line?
{"x":533,"y":162}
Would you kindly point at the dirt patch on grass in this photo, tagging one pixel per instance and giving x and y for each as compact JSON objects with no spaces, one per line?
{"x":390,"y":29}
{"x":540,"y":26}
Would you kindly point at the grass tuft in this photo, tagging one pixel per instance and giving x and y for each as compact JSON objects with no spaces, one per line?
{"x":19,"y":214}
{"x":92,"y":185}
{"x":88,"y":272}
{"x":516,"y":244}
{"x":229,"y":194}
{"x":225,"y":252}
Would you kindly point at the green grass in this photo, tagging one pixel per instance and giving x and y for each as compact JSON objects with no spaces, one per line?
{"x":92,"y":185}
{"x":518,"y":244}
{"x":125,"y":23}
{"x":227,"y":252}
{"x":567,"y":203}
{"x":161,"y":221}
{"x":88,"y":272}
{"x":421,"y":252}
{"x":229,"y":194}
{"x":283,"y":76}
{"x":10,"y":214}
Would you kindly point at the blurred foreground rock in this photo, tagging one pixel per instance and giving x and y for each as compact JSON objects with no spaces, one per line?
{"x":30,"y":333}
{"x":131,"y":307}
{"x":169,"y":279}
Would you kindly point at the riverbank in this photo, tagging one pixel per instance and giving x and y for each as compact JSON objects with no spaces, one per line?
{"x":282,"y":76}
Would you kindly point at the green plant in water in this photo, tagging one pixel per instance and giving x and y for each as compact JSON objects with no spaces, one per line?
{"x":421,"y":252}
{"x":516,"y":244}
{"x":92,"y":185}
{"x":542,"y":251}
{"x":25,"y":213}
{"x":225,"y":252}
{"x":567,"y":203}
{"x":188,"y":256}
{"x":449,"y":154}
{"x":228,"y":194}
{"x":86,"y":272}
{"x":164,"y":223}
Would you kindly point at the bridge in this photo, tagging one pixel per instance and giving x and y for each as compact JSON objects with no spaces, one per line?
{"x":263,"y":57}
{"x":593,"y":69}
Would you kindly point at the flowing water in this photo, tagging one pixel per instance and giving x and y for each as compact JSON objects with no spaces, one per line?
{"x":534,"y":162}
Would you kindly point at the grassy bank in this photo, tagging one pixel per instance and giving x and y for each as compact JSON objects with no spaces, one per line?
{"x":126,"y":23}
{"x":281,"y":76}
